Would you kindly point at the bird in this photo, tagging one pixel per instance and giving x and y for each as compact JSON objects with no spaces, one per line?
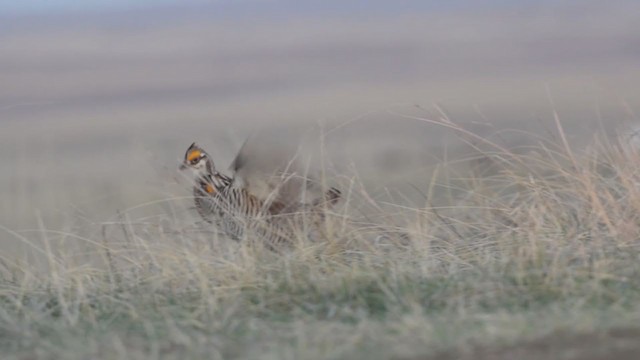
{"x":254,"y":196}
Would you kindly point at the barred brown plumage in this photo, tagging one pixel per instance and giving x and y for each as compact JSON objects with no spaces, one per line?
{"x":228,"y":203}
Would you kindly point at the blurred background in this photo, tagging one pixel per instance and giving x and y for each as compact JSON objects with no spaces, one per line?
{"x":99,"y":99}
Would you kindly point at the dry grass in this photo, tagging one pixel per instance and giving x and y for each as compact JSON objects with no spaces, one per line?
{"x":544,"y":242}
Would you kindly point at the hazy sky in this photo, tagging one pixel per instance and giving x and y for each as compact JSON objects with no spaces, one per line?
{"x":26,"y":7}
{"x":61,"y":6}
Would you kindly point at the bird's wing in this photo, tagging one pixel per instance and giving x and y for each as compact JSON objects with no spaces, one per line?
{"x":274,"y":167}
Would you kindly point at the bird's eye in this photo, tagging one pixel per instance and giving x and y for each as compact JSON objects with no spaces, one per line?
{"x":195,"y":161}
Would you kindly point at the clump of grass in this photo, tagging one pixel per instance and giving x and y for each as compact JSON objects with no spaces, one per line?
{"x":548,"y":241}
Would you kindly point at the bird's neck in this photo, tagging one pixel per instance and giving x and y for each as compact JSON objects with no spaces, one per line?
{"x":214,"y":182}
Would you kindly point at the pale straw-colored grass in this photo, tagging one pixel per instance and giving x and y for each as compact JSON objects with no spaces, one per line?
{"x":540,"y":242}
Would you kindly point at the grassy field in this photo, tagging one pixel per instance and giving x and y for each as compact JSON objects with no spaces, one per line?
{"x":529,"y":255}
{"x":502,"y":238}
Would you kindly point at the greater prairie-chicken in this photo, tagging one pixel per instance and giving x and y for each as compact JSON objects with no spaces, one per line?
{"x":254,"y":198}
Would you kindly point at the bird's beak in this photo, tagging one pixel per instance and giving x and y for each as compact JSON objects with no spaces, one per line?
{"x":182,"y":167}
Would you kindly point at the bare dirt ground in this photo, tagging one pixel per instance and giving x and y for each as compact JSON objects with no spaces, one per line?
{"x":618,"y":343}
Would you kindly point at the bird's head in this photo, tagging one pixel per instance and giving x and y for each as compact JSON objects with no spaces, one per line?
{"x":198,"y":161}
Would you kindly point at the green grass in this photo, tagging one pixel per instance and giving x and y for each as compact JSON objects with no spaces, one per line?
{"x":344,"y":315}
